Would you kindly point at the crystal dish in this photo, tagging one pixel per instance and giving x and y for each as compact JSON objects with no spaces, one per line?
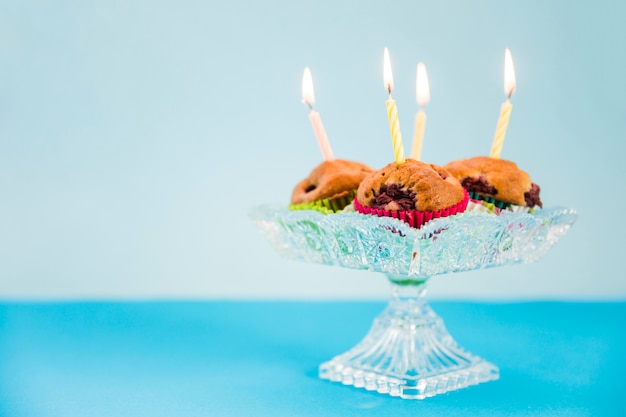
{"x":408,"y":352}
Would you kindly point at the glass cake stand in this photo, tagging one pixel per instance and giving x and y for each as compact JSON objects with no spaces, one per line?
{"x":408,"y":352}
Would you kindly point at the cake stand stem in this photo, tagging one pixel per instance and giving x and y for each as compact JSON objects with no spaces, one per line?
{"x":408,"y":352}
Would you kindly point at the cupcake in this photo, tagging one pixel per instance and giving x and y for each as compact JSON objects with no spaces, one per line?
{"x":330,"y":187}
{"x":414,"y":192}
{"x":496,"y":184}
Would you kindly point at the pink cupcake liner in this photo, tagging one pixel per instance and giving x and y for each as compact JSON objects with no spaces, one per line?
{"x":415,"y":218}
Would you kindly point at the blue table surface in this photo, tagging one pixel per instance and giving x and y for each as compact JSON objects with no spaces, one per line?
{"x":261,"y":358}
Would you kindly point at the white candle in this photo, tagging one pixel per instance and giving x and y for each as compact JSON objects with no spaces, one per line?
{"x":422,"y":92}
{"x":308,"y":98}
{"x":505,"y":109}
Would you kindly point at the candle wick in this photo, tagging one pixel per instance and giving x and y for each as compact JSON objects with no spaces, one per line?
{"x":389,"y":90}
{"x":510,"y":94}
{"x":308,"y":104}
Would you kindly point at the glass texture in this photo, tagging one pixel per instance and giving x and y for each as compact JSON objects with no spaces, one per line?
{"x":408,"y":352}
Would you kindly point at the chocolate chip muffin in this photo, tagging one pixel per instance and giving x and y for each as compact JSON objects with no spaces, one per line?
{"x":496,"y":181}
{"x":330,"y":186}
{"x":413,"y":191}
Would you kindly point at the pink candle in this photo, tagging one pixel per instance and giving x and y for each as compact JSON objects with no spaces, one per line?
{"x":308,"y":98}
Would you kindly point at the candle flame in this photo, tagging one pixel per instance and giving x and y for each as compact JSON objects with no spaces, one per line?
{"x":308,"y":94}
{"x":387,"y":75}
{"x":509,"y":73}
{"x":422,"y":90}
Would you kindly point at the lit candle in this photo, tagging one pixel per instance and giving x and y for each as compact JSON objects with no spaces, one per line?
{"x":505,"y":110}
{"x":308,"y":98}
{"x":392,"y":112}
{"x":422,"y":92}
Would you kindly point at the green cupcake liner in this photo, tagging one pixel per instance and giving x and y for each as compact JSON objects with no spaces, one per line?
{"x":491,"y":204}
{"x":326,"y":206}
{"x":310,"y":206}
{"x":497,"y":203}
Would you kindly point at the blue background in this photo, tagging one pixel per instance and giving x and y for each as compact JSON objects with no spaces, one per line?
{"x":260,"y":358}
{"x":136,"y":135}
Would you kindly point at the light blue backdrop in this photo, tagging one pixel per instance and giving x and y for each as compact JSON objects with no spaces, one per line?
{"x":136,"y":135}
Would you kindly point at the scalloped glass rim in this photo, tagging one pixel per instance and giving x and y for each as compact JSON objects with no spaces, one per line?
{"x":466,"y":241}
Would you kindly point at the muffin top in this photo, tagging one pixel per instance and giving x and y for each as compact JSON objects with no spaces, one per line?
{"x":496,"y":178}
{"x":412,"y":185}
{"x":330,"y":179}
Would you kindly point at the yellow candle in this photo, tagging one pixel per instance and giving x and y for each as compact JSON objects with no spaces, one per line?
{"x":503,"y":122}
{"x":423,"y":97}
{"x":505,"y":109}
{"x":418,"y":136}
{"x":392,"y":112}
{"x":308,"y":98}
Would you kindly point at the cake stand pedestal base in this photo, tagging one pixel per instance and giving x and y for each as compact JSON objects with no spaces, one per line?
{"x":408,"y":352}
